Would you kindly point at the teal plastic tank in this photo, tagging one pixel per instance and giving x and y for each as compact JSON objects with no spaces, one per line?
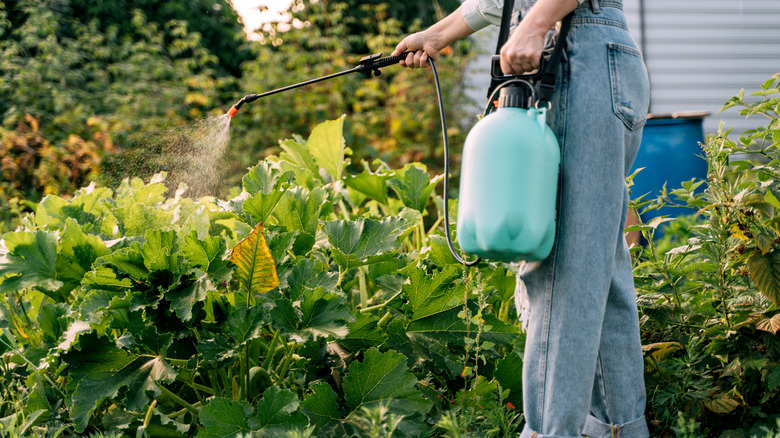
{"x":508,"y":186}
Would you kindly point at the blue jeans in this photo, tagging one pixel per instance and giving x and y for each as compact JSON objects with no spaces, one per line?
{"x":583,"y":366}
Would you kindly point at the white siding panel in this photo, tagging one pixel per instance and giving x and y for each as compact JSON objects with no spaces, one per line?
{"x":701,"y":52}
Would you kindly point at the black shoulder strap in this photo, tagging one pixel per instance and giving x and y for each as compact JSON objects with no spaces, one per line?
{"x":503,"y":35}
{"x":546,"y":84}
{"x":506,"y":17}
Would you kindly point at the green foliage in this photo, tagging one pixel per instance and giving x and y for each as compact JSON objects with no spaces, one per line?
{"x":32,"y":166}
{"x":105,"y":80}
{"x":709,"y":295}
{"x":128,"y":311}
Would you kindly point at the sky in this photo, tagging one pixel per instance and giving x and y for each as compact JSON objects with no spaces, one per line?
{"x":257,"y":12}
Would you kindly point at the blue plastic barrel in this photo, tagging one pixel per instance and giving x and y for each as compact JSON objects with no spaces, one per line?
{"x":670,"y":154}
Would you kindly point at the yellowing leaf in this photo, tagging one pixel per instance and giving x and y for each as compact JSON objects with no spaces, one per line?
{"x":661,"y":345}
{"x":736,"y":232}
{"x":660,"y":351}
{"x":721,"y":403}
{"x":771,"y":325}
{"x":255,"y":268}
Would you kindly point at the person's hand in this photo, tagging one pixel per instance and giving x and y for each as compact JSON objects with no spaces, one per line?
{"x":423,"y":45}
{"x":523,"y":50}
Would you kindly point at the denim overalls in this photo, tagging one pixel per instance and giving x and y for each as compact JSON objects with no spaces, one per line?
{"x":583,"y":365}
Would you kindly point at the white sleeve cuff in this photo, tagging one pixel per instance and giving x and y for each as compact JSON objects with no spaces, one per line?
{"x":481,"y":13}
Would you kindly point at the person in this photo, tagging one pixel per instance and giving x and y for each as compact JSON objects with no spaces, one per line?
{"x":583,"y":364}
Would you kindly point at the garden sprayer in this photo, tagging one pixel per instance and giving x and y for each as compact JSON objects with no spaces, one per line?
{"x":509,"y":175}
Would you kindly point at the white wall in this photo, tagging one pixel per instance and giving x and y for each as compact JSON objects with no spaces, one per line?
{"x":699,"y":53}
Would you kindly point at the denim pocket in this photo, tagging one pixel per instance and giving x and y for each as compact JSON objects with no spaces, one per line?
{"x":630,"y":85}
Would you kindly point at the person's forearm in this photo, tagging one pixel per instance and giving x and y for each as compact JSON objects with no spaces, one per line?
{"x":452,"y":28}
{"x":545,"y":13}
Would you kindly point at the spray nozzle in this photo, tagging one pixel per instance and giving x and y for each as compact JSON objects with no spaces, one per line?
{"x":248,"y":98}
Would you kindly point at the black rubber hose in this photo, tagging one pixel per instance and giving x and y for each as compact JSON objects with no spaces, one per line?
{"x":447,"y":170}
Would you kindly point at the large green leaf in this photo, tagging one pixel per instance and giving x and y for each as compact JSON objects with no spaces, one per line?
{"x":280,"y":245}
{"x":277,"y":413}
{"x":308,"y":274}
{"x":449,"y":325}
{"x":263,"y":178}
{"x":186,"y":294}
{"x":51,"y":212}
{"x":357,"y":243}
{"x":765,"y":272}
{"x":324,"y":313}
{"x":326,"y":145}
{"x":215,"y":350}
{"x":191,"y":216}
{"x":265,"y":185}
{"x":509,"y":373}
{"x":246,"y":323}
{"x":413,"y":185}
{"x":207,"y":255}
{"x":371,"y":184}
{"x":383,"y":379}
{"x":224,"y":418}
{"x":77,"y":253}
{"x":129,"y":260}
{"x":31,"y":258}
{"x":296,"y":153}
{"x":88,"y":207}
{"x":299,"y":209}
{"x":52,"y":320}
{"x":363,"y":333}
{"x":773,"y":378}
{"x":255,"y":268}
{"x":161,"y":251}
{"x":100,"y":370}
{"x":420,"y":347}
{"x":321,"y":405}
{"x":153,"y":341}
{"x":432,"y":295}
{"x":137,"y":208}
{"x":317,"y":314}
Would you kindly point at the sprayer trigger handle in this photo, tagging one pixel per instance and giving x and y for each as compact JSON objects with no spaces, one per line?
{"x":369,"y":60}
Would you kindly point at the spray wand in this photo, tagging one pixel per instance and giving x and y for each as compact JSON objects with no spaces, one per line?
{"x":368,"y":66}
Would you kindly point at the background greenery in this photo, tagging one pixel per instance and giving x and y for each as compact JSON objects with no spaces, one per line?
{"x":117,"y":75}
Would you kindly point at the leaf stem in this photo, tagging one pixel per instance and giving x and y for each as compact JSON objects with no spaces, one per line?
{"x":178,"y":399}
{"x":178,"y":414}
{"x":362,"y":273}
{"x":203,"y":388}
{"x":177,"y":362}
{"x":344,"y":210}
{"x":380,"y":306}
{"x":284,"y":366}
{"x":435,"y":225}
{"x":149,"y":412}
{"x":271,"y":352}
